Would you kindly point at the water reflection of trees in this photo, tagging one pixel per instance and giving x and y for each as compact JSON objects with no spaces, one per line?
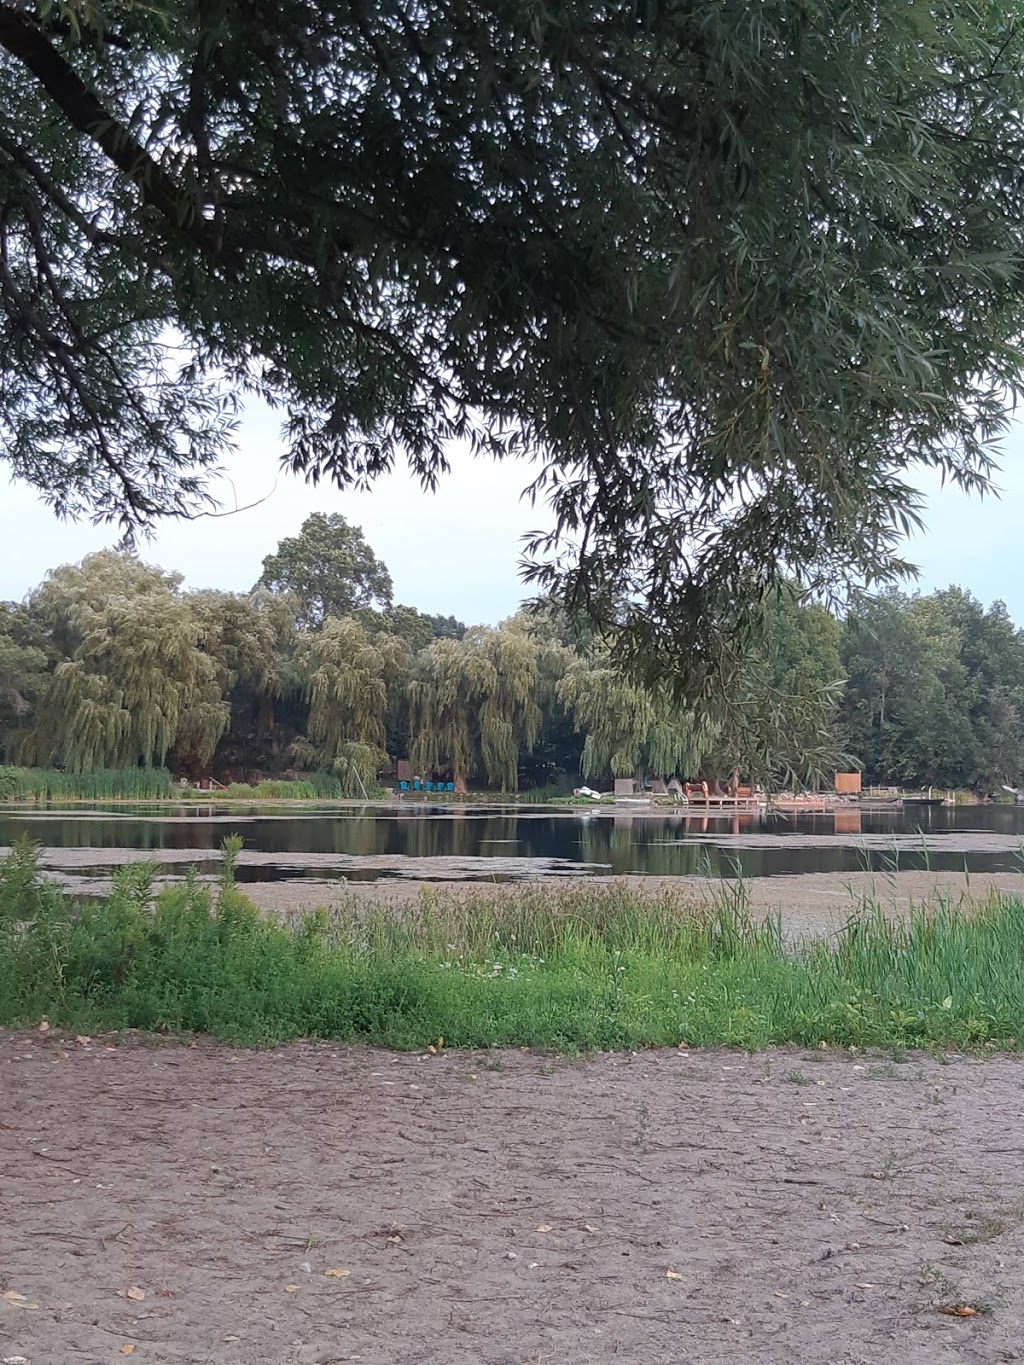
{"x":670,"y":844}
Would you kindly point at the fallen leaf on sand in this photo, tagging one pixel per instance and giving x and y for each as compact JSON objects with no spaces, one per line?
{"x":395,"y":1239}
{"x":136,"y":1293}
{"x":291,"y":1289}
{"x":18,"y":1300}
{"x":672,"y":1275}
{"x":83,"y":1040}
{"x":958,"y":1310}
{"x":432,"y":1049}
{"x":335,"y":1274}
{"x":127,"y":1349}
{"x":588,"y":1228}
{"x":44,"y":1027}
{"x":542,"y":1227}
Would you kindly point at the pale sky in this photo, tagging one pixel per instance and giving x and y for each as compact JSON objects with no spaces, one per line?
{"x":457,"y":551}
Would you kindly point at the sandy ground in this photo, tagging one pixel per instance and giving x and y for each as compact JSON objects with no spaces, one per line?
{"x":317,"y":1204}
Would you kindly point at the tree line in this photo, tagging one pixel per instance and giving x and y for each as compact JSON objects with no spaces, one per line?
{"x":110,"y":663}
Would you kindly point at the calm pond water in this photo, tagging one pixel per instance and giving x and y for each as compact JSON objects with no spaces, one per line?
{"x":507,"y":843}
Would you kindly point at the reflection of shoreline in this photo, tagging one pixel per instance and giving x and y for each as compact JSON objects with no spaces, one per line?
{"x":680,"y":843}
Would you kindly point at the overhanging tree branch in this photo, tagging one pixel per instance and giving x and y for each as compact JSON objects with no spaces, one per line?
{"x":83,"y":110}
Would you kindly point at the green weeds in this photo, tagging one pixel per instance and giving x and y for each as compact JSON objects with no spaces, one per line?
{"x":155,"y":784}
{"x":564,"y":969}
{"x":106,"y":784}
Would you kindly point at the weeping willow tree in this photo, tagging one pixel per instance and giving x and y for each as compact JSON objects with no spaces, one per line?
{"x":629,"y":727}
{"x":134,"y":681}
{"x":510,"y":712}
{"x":475,"y":705}
{"x":351,"y":679}
{"x":442,"y":737}
{"x":251,"y":638}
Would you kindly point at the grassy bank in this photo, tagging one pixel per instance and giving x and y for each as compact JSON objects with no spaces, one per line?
{"x":106,"y":784}
{"x":317,"y":787}
{"x":155,"y":784}
{"x":577,"y":969}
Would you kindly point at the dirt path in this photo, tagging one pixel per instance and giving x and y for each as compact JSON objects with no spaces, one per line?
{"x":817,"y":1210}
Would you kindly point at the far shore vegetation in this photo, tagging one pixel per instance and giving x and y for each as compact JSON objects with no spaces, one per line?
{"x":116,"y":683}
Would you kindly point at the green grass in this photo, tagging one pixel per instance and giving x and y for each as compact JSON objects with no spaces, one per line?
{"x":576,"y":969}
{"x":155,"y":784}
{"x":46,"y":784}
{"x":319,"y":787}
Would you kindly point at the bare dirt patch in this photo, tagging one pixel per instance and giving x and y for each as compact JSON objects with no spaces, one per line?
{"x":191,"y":1203}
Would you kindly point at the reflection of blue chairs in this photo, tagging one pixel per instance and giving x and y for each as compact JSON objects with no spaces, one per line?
{"x":428,"y":786}
{"x":403,"y":786}
{"x":417,"y":785}
{"x":450,"y":787}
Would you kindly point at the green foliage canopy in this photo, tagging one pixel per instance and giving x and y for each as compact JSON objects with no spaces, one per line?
{"x":350,"y":675}
{"x":935,"y":691}
{"x":724,"y":274}
{"x":111,"y":664}
{"x":136,"y":682}
{"x":329,"y":568}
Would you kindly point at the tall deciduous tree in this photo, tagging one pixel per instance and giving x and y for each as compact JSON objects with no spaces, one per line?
{"x":778,"y":719}
{"x":629,"y":727}
{"x":724,"y":272}
{"x":475,"y":705}
{"x":329,"y":568}
{"x":251,"y":639}
{"x":351,"y":679}
{"x":135,"y":681}
{"x":23,"y":678}
{"x":935,"y":691}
